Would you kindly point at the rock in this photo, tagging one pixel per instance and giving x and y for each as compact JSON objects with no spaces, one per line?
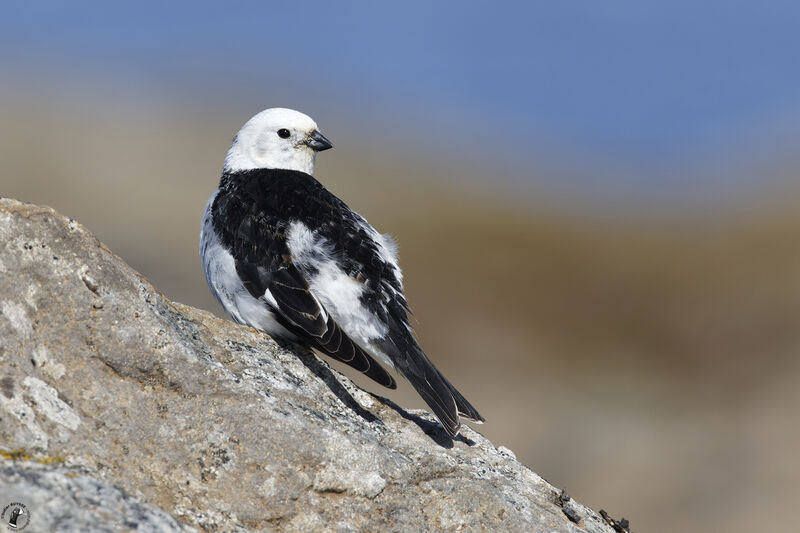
{"x":64,"y":499}
{"x":162,"y":406}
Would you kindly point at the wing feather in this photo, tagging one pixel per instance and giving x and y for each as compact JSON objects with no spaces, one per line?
{"x":301,"y":312}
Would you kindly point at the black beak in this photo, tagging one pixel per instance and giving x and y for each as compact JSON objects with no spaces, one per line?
{"x":318,"y":142}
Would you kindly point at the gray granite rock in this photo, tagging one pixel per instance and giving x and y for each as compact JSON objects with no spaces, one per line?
{"x":58,"y":498}
{"x":216,"y":424}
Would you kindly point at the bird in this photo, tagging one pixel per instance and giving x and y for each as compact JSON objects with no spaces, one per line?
{"x":284,"y":255}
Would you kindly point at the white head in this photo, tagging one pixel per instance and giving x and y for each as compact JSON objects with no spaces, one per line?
{"x":276,"y":138}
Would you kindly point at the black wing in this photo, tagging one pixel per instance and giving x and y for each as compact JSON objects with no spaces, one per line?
{"x":302,"y":314}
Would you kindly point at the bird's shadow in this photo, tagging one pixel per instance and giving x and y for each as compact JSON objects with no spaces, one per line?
{"x":434,"y":430}
{"x":320,"y":369}
{"x":323,"y":371}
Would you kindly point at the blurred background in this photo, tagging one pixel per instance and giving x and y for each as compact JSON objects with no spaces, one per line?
{"x":596,"y":205}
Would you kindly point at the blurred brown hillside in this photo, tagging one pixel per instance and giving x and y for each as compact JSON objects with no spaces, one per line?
{"x":645,"y":363}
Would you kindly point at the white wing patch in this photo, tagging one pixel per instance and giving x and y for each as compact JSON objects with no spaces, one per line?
{"x":330,"y":284}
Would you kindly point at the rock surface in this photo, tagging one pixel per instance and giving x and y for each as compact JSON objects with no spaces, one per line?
{"x":64,"y":499}
{"x":213,"y":423}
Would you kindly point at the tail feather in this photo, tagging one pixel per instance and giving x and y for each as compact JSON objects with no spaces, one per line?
{"x":440,"y":395}
{"x":465,"y":408}
{"x":439,"y":398}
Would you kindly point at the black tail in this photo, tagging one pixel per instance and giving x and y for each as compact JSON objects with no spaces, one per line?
{"x":440,"y":395}
{"x":465,"y":408}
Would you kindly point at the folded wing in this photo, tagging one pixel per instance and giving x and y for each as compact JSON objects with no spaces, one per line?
{"x":299,"y":311}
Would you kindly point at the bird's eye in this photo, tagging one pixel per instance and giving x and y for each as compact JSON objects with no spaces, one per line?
{"x":283,"y":133}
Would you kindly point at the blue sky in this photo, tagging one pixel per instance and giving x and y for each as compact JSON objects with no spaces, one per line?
{"x":645,"y":85}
